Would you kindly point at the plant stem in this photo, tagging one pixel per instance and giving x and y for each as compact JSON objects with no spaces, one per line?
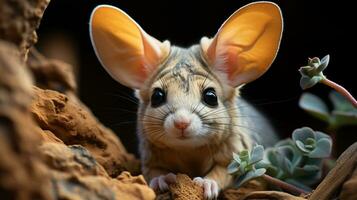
{"x":340,"y":90}
{"x":285,"y":186}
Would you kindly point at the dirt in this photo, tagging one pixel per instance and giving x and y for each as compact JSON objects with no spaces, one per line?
{"x":53,"y":147}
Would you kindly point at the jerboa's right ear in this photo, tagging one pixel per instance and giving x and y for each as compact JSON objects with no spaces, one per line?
{"x":246,"y":44}
{"x":125,"y":50}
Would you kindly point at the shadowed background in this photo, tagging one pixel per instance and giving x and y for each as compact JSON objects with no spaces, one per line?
{"x":311,"y":28}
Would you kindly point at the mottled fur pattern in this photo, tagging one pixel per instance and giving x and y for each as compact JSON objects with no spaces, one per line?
{"x":191,"y":117}
{"x":184,"y":75}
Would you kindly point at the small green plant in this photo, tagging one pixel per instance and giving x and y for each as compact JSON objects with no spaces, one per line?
{"x":298,"y":160}
{"x":342,"y":114}
{"x":292,"y":164}
{"x":312,"y":73}
{"x":313,"y":144}
{"x":243,"y":165}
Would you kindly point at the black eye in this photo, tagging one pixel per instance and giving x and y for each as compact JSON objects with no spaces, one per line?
{"x":158,"y":97}
{"x":209,"y":97}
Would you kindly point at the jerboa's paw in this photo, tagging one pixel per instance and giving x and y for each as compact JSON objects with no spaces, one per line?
{"x":161,"y":183}
{"x":210,"y":187}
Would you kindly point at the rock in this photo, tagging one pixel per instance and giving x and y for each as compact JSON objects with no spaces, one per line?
{"x":340,"y":174}
{"x":348,"y":191}
{"x":73,"y":159}
{"x":19,"y":20}
{"x":183,"y":189}
{"x":20,"y":165}
{"x":271,"y":195}
{"x":34,"y":161}
{"x":239,"y":193}
{"x":76,"y":175}
{"x":73,"y":123}
{"x":98,"y":187}
{"x":51,"y":73}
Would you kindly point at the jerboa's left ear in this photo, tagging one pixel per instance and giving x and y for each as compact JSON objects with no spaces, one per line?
{"x":246,"y":44}
{"x":124,"y":49}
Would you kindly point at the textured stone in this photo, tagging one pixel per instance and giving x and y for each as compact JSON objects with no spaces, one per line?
{"x":73,"y":123}
{"x":18,"y":21}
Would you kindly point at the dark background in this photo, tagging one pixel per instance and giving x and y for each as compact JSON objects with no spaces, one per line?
{"x":311,"y":28}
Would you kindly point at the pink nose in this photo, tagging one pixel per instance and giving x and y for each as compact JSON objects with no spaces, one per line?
{"x":181,"y":124}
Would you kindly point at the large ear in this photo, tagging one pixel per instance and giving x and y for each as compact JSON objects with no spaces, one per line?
{"x":246,"y":44}
{"x":125,"y":50}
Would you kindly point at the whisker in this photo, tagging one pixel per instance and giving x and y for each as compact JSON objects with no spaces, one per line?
{"x":128,"y":97}
{"x":239,"y":116}
{"x":122,"y":109}
{"x":193,"y":111}
{"x":152,"y":117}
{"x":238,"y":125}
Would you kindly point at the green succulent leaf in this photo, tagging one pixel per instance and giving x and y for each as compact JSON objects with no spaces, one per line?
{"x":236,"y":158}
{"x":322,"y":149}
{"x":256,"y":155}
{"x":340,"y":118}
{"x":303,"y":134}
{"x":244,"y":155}
{"x":315,"y":106}
{"x":285,"y":142}
{"x":307,"y":171}
{"x":340,"y":103}
{"x":324,"y":63}
{"x":307,"y":82}
{"x":250,"y":175}
{"x":313,"y":144}
{"x":312,"y":73}
{"x":319,"y":135}
{"x":243,"y":168}
{"x":233,"y":167}
{"x":344,"y":113}
{"x":272,"y":157}
{"x":301,"y":146}
{"x":287,"y":167}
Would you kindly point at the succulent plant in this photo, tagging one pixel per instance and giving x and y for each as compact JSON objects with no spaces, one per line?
{"x":342,"y":114}
{"x":296,"y":161}
{"x":243,"y":165}
{"x":312,"y":73}
{"x":285,"y":162}
{"x":313,"y":144}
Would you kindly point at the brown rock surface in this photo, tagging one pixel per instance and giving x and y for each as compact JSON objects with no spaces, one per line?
{"x":237,"y":194}
{"x":271,"y":195}
{"x":35,"y":164}
{"x":183,"y":189}
{"x":344,"y":171}
{"x":77,"y":175}
{"x":348,"y":191}
{"x":51,"y":73}
{"x":73,"y":123}
{"x":19,"y":20}
{"x":186,"y":189}
{"x":20,"y":166}
{"x":66,"y":153}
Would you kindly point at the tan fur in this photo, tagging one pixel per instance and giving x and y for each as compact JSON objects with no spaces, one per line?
{"x":208,"y":160}
{"x":241,"y":51}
